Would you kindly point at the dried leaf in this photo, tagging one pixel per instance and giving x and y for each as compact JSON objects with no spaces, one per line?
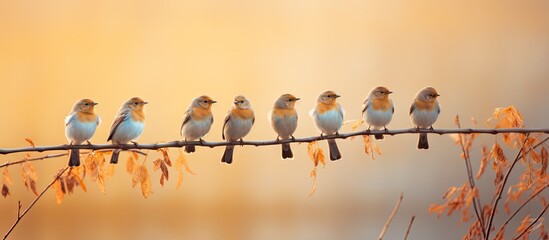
{"x":313,"y":175}
{"x":376,"y":148}
{"x":524,"y":225}
{"x":30,"y":142}
{"x":79,"y":180}
{"x":130,"y":164}
{"x":311,"y":149}
{"x":483,"y":162}
{"x":29,"y":176}
{"x":455,"y":137}
{"x":544,"y":156}
{"x":6,"y":176}
{"x":59,"y":193}
{"x":500,"y":162}
{"x":5,"y":190}
{"x":164,"y":152}
{"x":160,"y":164}
{"x":319,"y":156}
{"x":141,"y":176}
{"x":367,"y":144}
{"x":156,"y":164}
{"x":95,"y":166}
{"x":179,"y":164}
{"x":508,"y":117}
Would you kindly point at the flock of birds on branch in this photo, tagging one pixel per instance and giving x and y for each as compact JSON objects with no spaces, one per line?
{"x":81,"y":123}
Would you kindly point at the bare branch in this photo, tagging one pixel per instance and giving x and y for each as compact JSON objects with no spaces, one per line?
{"x":21,"y":215}
{"x":534,"y":222}
{"x":179,"y":144}
{"x":55,"y":156}
{"x":386,"y":226}
{"x":521,"y":206}
{"x":409,"y":227}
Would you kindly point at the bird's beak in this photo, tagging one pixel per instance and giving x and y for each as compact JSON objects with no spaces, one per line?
{"x":389,"y":92}
{"x":143,"y":103}
{"x":297,"y":99}
{"x":235,"y":102}
{"x":213,"y":101}
{"x":336,"y":96}
{"x":94,"y":103}
{"x":437,"y":95}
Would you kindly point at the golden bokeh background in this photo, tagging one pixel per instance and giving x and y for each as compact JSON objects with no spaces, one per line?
{"x":478,"y":54}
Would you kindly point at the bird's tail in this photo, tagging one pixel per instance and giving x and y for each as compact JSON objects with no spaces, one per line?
{"x":74,"y":158}
{"x":334,"y":151}
{"x":423,"y":143}
{"x":228,"y":155}
{"x":287,"y":151}
{"x":114,"y":156}
{"x":378,"y":136}
{"x":190,"y":148}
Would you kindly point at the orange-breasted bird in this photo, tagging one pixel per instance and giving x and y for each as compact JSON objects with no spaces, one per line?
{"x":80,"y":126}
{"x":237,"y":124}
{"x":328,"y":118}
{"x":283,"y":118}
{"x":128,"y":124}
{"x":424,"y":113}
{"x":378,"y":109}
{"x":197,"y":121}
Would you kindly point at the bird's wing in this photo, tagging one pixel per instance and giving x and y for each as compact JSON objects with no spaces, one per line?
{"x":225,"y":124}
{"x":121,"y":117}
{"x":186,"y":117}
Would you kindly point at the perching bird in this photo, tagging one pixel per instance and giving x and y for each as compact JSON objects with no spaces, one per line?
{"x":378,"y":109}
{"x":283,"y":119}
{"x":80,"y":126}
{"x":197,"y":121}
{"x":424,"y":112}
{"x":128,"y":124}
{"x":328,"y":118}
{"x":237,"y":124}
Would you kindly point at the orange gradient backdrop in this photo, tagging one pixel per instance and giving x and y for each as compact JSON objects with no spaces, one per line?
{"x":478,"y":54}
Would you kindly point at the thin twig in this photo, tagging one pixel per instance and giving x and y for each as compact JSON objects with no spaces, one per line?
{"x":521,"y":206}
{"x":55,"y":156}
{"x":534,"y":222}
{"x":502,"y":186}
{"x":409,"y":227}
{"x":386,"y":226}
{"x":476,"y":200}
{"x":21,"y":215}
{"x":179,"y":144}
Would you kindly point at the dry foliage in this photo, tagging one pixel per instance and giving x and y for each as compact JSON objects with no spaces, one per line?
{"x":29,"y":176}
{"x":532,"y":181}
{"x":181,"y":163}
{"x":65,"y":183}
{"x":94,"y":166}
{"x":141,"y":176}
{"x":317,"y":156}
{"x":6,"y":180}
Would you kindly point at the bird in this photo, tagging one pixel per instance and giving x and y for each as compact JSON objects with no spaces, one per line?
{"x":283,"y":118}
{"x":378,"y":109}
{"x":238,"y":123}
{"x":424,"y":113}
{"x":197,"y":121}
{"x":328,"y":118}
{"x":128,"y":124}
{"x":80,"y":126}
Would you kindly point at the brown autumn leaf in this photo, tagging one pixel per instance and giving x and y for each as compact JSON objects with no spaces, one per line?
{"x":130,"y":164}
{"x":311,"y":150}
{"x":6,"y":176}
{"x":544,"y":157}
{"x":59,"y":192}
{"x":5,"y":190}
{"x":313,"y":175}
{"x":524,"y":224}
{"x":30,"y":142}
{"x":367,"y":144}
{"x":29,"y":176}
{"x":156,"y":164}
{"x":95,"y":167}
{"x":483,"y":162}
{"x":166,"y":156}
{"x":79,"y":180}
{"x":160,"y":164}
{"x":376,"y":148}
{"x":500,"y":162}
{"x":141,"y":176}
{"x":179,"y":164}
{"x":508,"y":117}
{"x":471,"y":195}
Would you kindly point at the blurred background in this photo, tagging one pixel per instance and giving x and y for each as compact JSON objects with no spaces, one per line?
{"x":479,"y":55}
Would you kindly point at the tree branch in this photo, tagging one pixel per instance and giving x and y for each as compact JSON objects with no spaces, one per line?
{"x":521,"y":206}
{"x":386,"y":226}
{"x":21,"y":215}
{"x":179,"y":144}
{"x":409,"y":227}
{"x":55,"y":156}
{"x":534,"y":222}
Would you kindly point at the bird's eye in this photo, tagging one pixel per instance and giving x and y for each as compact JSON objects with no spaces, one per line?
{"x":135,"y":103}
{"x":86,"y":104}
{"x":205,"y":101}
{"x":289,"y":99}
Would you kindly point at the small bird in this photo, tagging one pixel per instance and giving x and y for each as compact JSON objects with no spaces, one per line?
{"x":197,"y":121}
{"x":80,"y":126}
{"x":424,"y":112}
{"x":128,"y":124}
{"x":237,"y":124}
{"x":328,"y":118}
{"x":378,"y":110}
{"x":283,"y":119}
